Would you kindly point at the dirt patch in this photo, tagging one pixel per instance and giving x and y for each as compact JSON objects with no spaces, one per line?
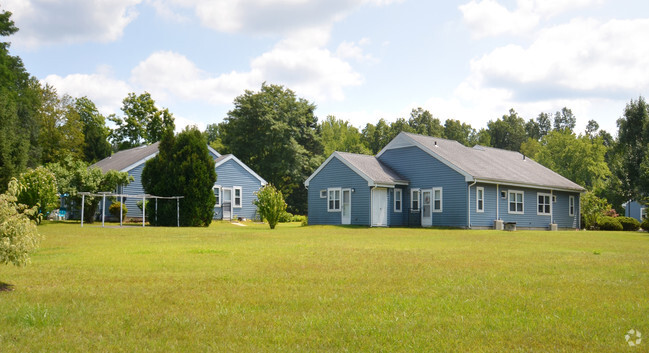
{"x":6,"y":287}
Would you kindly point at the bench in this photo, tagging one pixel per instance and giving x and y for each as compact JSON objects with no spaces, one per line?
{"x":510,"y":226}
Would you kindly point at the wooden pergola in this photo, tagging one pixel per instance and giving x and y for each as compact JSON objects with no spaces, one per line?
{"x":121,"y":199}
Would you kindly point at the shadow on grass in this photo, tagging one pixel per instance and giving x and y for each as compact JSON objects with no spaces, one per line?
{"x":6,"y":287}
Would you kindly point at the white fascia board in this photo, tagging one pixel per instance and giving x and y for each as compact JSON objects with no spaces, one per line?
{"x":213,"y":151}
{"x":529,"y":186}
{"x":136,"y":164}
{"x":243,"y":165}
{"x":403,"y":140}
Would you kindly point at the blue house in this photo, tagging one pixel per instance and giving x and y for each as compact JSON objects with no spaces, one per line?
{"x":234,"y":189}
{"x":635,"y":210}
{"x":428,"y":181}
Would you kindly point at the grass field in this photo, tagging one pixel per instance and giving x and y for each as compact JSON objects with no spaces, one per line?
{"x":326,"y":289}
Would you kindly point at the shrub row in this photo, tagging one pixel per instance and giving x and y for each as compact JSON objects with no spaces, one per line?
{"x":619,"y":223}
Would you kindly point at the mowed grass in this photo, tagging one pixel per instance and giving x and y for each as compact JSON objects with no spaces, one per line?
{"x":326,"y":289}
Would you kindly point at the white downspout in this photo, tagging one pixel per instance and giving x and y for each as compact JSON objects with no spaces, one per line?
{"x":468,"y":201}
{"x":551,"y":206}
{"x":497,"y":202}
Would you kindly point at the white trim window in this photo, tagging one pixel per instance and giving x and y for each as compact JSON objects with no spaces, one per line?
{"x":398,"y":200}
{"x":217,"y":195}
{"x":543,"y":205}
{"x":414,"y":199}
{"x":333,"y":199}
{"x":237,"y":197}
{"x":516,"y":202}
{"x":479,"y":199}
{"x":323,"y":193}
{"x":643,"y":213}
{"x":571,"y":206}
{"x":437,"y":199}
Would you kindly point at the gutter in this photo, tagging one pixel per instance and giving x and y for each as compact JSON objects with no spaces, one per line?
{"x":468,"y":201}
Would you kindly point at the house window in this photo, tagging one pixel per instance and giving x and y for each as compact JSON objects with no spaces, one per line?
{"x":554,"y":198}
{"x":333,"y":200}
{"x":643,"y":213}
{"x":323,"y":194}
{"x":414,"y":200}
{"x":543,"y":204}
{"x":397,"y":200}
{"x":479,"y":199}
{"x":437,"y":199}
{"x":571,"y":205}
{"x":217,"y":194}
{"x":237,"y":196}
{"x":503,"y":194}
{"x":516,"y":202}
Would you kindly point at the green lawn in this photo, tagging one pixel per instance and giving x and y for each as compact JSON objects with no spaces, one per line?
{"x":328,"y":289}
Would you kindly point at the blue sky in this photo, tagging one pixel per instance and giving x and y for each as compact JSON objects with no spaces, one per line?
{"x":359,"y":60}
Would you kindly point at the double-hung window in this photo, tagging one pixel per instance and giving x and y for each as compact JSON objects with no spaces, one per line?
{"x":397,"y":200}
{"x":414,"y":200}
{"x":479,"y":199}
{"x":237,"y":196}
{"x":333,"y":199}
{"x":217,"y":194}
{"x":543,"y":206}
{"x":571,"y":206}
{"x":516,"y":202}
{"x":437,"y":199}
{"x":643,"y":213}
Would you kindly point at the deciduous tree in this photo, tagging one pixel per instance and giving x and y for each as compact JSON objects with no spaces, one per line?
{"x":339,"y":135}
{"x":270,"y":204}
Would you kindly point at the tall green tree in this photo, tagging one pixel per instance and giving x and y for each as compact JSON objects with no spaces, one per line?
{"x":61,"y":129}
{"x":377,"y":136}
{"x":578,"y":158}
{"x":95,"y":132}
{"x":277,"y":135}
{"x":422,"y":122}
{"x":508,"y":132}
{"x":183,"y":167}
{"x":339,"y":135}
{"x":458,"y":131}
{"x":142,"y":123}
{"x":39,"y":190}
{"x":633,"y":150}
{"x":564,"y":120}
{"x":213,"y":136}
{"x":19,"y":101}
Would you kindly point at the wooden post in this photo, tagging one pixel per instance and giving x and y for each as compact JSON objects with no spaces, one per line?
{"x":121,"y":203}
{"x":103,"y":211}
{"x":178,"y":212}
{"x":83,"y":203}
{"x":143,"y":209}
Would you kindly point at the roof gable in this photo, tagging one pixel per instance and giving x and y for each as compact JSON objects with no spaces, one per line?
{"x":229,"y":157}
{"x":368,"y":167}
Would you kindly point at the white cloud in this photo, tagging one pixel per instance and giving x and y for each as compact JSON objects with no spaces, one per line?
{"x":351,"y":50}
{"x":53,"y":22}
{"x":487,"y":18}
{"x":106,"y":92}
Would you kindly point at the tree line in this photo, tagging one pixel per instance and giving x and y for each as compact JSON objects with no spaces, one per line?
{"x":277,"y":134}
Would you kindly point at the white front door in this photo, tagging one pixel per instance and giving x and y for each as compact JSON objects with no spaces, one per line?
{"x":227,"y":204}
{"x":426,"y":208}
{"x":380,"y":207}
{"x":347,"y":207}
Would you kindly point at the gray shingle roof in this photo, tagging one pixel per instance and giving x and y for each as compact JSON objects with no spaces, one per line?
{"x":373,"y":168}
{"x":493,"y":164}
{"x":126,"y":158}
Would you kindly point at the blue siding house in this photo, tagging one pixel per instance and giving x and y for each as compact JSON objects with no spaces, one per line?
{"x":428,"y":181}
{"x":635,"y":210}
{"x":234,"y":188}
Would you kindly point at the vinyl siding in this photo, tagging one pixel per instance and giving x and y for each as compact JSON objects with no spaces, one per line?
{"x":231,"y":174}
{"x":337,"y":175}
{"x":633,"y":209}
{"x":425,"y":172}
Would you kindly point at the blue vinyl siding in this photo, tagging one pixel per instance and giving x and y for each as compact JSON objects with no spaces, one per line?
{"x":530,"y":219}
{"x":486,"y":218}
{"x":398,"y":218}
{"x":337,"y":175}
{"x":231,"y":174}
{"x":633,"y":209}
{"x":425,"y":172}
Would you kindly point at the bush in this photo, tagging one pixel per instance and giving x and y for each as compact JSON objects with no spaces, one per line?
{"x":609,"y":223}
{"x":629,"y":223}
{"x":645,"y":224}
{"x":18,"y":234}
{"x":271,"y":205}
{"x":286,"y":217}
{"x":113,"y":209}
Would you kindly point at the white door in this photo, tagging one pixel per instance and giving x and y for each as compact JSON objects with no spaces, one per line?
{"x":380,"y":207}
{"x":226,"y":204}
{"x":347,"y":207}
{"x":426,"y":208}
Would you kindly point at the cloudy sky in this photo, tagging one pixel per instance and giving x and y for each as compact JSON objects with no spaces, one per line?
{"x":359,"y":60}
